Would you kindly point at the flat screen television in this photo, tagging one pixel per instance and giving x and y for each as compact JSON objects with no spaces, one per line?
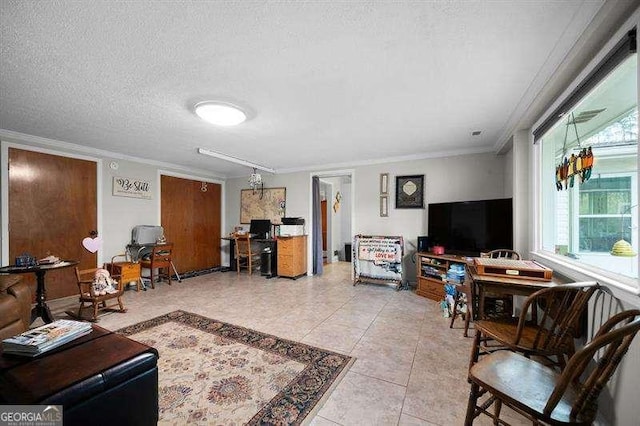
{"x":469,"y":227}
{"x":260,"y":228}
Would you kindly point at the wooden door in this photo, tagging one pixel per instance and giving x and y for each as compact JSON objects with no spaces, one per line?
{"x":190,"y":216}
{"x":52,"y":208}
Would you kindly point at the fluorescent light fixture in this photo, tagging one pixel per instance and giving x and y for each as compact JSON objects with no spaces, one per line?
{"x":220,"y":113}
{"x":234,"y":160}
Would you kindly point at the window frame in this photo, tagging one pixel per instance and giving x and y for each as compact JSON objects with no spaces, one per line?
{"x":625,"y":288}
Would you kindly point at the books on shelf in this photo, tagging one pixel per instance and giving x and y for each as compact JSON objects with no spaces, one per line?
{"x":44,"y":338}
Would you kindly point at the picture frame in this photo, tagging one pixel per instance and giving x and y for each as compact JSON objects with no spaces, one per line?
{"x":384,"y":206}
{"x":384,"y":183}
{"x":267,"y":203}
{"x":410,"y":192}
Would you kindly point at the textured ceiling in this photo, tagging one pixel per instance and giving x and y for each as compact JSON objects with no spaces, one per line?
{"x":325,"y":83}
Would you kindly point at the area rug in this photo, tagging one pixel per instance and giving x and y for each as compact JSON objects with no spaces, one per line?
{"x":215,"y":373}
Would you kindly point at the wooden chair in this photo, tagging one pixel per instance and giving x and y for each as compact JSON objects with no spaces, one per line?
{"x":501,"y":306}
{"x":544,"y":395}
{"x":159,"y":259}
{"x":503,"y":254}
{"x":245,"y":257}
{"x":464,"y":296}
{"x":465,"y":293}
{"x":88,"y":297}
{"x":548,"y":323}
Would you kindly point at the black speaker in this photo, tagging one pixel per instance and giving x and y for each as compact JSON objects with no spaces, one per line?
{"x":423,"y":243}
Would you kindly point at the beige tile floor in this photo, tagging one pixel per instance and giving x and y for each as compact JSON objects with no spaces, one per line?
{"x":410,"y":368}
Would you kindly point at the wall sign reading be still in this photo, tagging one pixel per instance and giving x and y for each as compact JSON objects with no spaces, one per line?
{"x":127,"y":187}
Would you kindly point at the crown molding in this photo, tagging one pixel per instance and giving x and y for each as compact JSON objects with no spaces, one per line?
{"x":67,"y":146}
{"x":412,"y":157}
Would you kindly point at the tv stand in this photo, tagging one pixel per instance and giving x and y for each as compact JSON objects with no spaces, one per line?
{"x":432,"y":273}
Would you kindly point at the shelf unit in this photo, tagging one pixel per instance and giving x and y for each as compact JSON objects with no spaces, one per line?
{"x":432,"y":273}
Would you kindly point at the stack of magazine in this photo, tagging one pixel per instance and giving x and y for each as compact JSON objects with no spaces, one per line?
{"x":44,"y":338}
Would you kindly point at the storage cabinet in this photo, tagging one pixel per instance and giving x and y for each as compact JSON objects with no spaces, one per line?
{"x":125,"y":272}
{"x":432,"y":274}
{"x":292,"y":256}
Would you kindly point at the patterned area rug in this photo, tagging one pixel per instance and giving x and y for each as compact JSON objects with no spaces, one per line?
{"x":211,"y":372}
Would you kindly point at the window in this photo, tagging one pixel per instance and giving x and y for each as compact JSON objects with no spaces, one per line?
{"x":601,"y":222}
{"x":584,"y":214}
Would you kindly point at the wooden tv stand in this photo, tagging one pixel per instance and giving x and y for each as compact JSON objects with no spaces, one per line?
{"x":432,"y":279}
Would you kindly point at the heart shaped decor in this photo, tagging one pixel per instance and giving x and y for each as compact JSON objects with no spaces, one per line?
{"x":92,"y":244}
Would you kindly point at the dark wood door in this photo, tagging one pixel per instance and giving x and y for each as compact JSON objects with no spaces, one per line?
{"x":52,"y":208}
{"x":190,"y":216}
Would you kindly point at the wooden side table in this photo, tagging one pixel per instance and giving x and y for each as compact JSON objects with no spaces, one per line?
{"x":127,"y":272}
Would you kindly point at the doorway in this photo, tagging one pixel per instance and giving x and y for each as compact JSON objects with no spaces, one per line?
{"x":336,"y":216}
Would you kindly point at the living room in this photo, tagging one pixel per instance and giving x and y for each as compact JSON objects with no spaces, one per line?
{"x":498,"y":169}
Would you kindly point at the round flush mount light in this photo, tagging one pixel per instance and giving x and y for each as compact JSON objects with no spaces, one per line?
{"x":220,"y":113}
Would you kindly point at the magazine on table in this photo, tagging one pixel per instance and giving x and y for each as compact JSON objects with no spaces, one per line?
{"x":46,"y":337}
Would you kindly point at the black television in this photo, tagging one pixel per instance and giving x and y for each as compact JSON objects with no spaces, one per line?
{"x":260,"y":228}
{"x":468,"y":228}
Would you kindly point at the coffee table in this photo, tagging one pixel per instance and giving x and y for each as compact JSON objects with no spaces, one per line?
{"x":96,"y":378}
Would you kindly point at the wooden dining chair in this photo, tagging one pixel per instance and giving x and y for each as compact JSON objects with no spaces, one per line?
{"x":540,"y":393}
{"x":464,"y":299}
{"x":160,"y":259}
{"x":245,"y":257}
{"x":89,"y":298}
{"x":546,"y":327}
{"x":499,"y":305}
{"x":503,"y":254}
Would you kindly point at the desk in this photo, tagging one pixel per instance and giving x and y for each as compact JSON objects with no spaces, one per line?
{"x":263,"y":242}
{"x":138,"y":251}
{"x":483,"y":284}
{"x":41,"y":309}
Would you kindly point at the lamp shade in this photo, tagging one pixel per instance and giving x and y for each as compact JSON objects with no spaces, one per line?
{"x":220,"y":114}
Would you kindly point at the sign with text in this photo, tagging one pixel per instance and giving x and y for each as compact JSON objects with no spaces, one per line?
{"x":129,"y":187}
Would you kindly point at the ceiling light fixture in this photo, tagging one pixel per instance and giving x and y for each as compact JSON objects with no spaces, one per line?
{"x":220,"y":113}
{"x":234,"y":160}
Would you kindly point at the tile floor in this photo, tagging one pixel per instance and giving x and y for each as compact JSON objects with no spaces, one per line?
{"x":410,"y":368}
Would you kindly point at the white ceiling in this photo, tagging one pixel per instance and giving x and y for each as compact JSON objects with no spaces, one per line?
{"x":325,"y":82}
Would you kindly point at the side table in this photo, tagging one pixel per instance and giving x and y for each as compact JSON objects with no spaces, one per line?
{"x":127,"y":272}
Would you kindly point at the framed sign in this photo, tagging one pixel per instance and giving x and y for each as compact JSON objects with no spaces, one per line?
{"x":267,"y":203}
{"x":130,"y":187}
{"x":384,"y":183}
{"x":384,"y":206}
{"x":410,"y":192}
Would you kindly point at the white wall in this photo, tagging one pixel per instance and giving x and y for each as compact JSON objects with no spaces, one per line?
{"x":459,"y":178}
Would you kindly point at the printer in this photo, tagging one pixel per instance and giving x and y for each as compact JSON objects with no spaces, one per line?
{"x":292,"y":226}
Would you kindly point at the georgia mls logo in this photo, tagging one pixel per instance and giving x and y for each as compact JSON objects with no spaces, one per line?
{"x":31,"y":415}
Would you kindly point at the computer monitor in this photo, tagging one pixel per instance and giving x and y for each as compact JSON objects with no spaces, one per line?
{"x":260,"y":228}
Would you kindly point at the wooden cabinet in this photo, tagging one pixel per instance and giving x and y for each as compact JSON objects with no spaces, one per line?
{"x":125,"y":272}
{"x":292,"y":256}
{"x":432,"y":274}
